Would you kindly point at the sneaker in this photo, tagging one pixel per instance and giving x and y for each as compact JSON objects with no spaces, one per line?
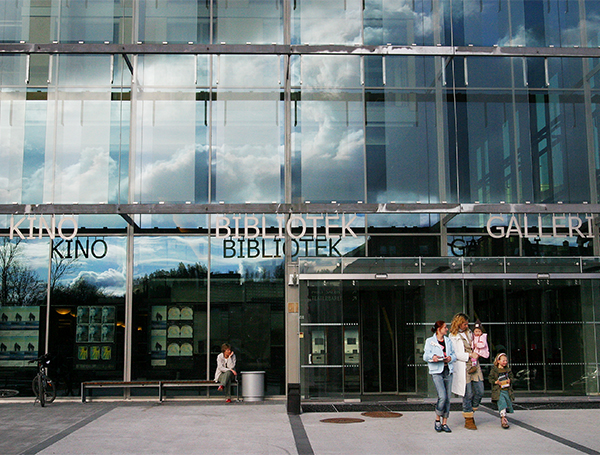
{"x":228,"y":400}
{"x":220,"y":388}
{"x":438,"y":426}
{"x":446,"y":428}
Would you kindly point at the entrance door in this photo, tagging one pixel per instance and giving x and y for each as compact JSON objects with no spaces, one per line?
{"x":379,"y":327}
{"x":387,"y":317}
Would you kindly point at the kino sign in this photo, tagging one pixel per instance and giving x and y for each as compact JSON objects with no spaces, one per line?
{"x":17,"y":228}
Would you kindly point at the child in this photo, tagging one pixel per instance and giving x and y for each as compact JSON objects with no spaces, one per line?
{"x":479,"y":346}
{"x":501,"y":378}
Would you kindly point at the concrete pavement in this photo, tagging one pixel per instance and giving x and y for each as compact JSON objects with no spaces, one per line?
{"x":210,"y":427}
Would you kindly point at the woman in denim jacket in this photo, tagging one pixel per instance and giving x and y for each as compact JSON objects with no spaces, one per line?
{"x":440,"y":357}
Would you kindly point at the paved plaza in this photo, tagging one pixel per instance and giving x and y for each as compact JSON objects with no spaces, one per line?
{"x":210,"y":427}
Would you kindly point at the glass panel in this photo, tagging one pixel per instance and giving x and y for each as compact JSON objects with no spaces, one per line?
{"x":13,"y":17}
{"x":595,"y":106}
{"x":592,"y":22}
{"x":404,"y":223}
{"x":174,"y":21}
{"x":482,"y":23}
{"x":92,"y":21}
{"x":408,"y":22}
{"x":328,"y":132}
{"x":403,"y":246}
{"x":557,"y":123}
{"x":247,"y":311}
{"x":401,"y":125}
{"x":495,"y":72}
{"x":490,"y":175}
{"x":441,"y":265}
{"x":381,"y":266}
{"x":322,"y":342}
{"x":34,"y":152}
{"x":248,"y":152}
{"x":24,"y":272}
{"x":565,"y":73}
{"x":78,"y":159}
{"x":248,"y":21}
{"x":172,"y":132}
{"x":323,"y":265}
{"x":335,"y":22}
{"x":547,"y":323}
{"x":13,"y":118}
{"x":87,"y":318}
{"x":170,"y":308}
{"x":543,"y":265}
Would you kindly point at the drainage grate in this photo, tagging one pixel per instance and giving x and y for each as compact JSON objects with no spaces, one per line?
{"x":318,"y":408}
{"x":360,"y":407}
{"x":343,"y":420}
{"x":382,"y":414}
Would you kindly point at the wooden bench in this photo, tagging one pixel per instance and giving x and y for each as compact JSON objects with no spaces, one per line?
{"x":195,"y":383}
{"x":160,"y":385}
{"x":118,"y":385}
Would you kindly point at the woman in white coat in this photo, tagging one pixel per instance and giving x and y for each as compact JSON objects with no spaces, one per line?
{"x":468,"y":386}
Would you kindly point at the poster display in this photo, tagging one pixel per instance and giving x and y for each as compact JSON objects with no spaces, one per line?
{"x":19,"y":335}
{"x":95,"y":336}
{"x":158,"y":335}
{"x":171,"y":333}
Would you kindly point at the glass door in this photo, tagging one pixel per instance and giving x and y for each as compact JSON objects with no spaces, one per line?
{"x":379,"y":328}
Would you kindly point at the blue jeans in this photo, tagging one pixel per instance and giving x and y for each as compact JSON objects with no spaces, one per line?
{"x":443,"y":385}
{"x":473,"y":395}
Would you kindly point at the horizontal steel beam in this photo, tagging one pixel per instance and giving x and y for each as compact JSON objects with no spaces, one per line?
{"x":445,"y":276}
{"x":332,"y":208}
{"x":305,"y":49}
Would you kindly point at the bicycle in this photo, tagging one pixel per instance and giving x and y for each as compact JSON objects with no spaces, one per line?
{"x":43,"y":387}
{"x":6,"y":393}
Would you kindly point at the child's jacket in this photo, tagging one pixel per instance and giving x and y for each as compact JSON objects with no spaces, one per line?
{"x":500,"y":373}
{"x":480,"y":345}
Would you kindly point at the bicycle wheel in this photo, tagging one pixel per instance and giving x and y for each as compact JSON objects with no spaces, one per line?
{"x":50,"y":390}
{"x":34,"y":386}
{"x":41,"y":391}
{"x":5,"y":393}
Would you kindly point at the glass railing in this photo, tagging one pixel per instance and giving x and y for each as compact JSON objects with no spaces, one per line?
{"x":379,"y":267}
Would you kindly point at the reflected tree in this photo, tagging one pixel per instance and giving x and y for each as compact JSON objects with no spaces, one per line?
{"x":60,"y":266}
{"x":19,"y":284}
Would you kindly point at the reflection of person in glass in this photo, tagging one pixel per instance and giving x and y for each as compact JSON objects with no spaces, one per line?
{"x":94,"y":316}
{"x":94,"y":332}
{"x":108,"y":314}
{"x":225,"y":370}
{"x":107,"y":333}
{"x":82,"y":315}
{"x":82,"y":333}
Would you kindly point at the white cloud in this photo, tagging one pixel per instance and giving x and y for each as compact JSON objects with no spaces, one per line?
{"x":110,"y":281}
{"x":169,"y":179}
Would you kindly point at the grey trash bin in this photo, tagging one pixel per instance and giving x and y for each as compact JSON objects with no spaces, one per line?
{"x":253,"y":385}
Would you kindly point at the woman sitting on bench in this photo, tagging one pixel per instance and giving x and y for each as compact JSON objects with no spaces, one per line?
{"x":225,"y":370}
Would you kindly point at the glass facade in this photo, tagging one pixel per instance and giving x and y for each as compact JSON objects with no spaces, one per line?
{"x":314,"y":182}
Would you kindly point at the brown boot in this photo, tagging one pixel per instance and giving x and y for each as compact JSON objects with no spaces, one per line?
{"x":470,"y":423}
